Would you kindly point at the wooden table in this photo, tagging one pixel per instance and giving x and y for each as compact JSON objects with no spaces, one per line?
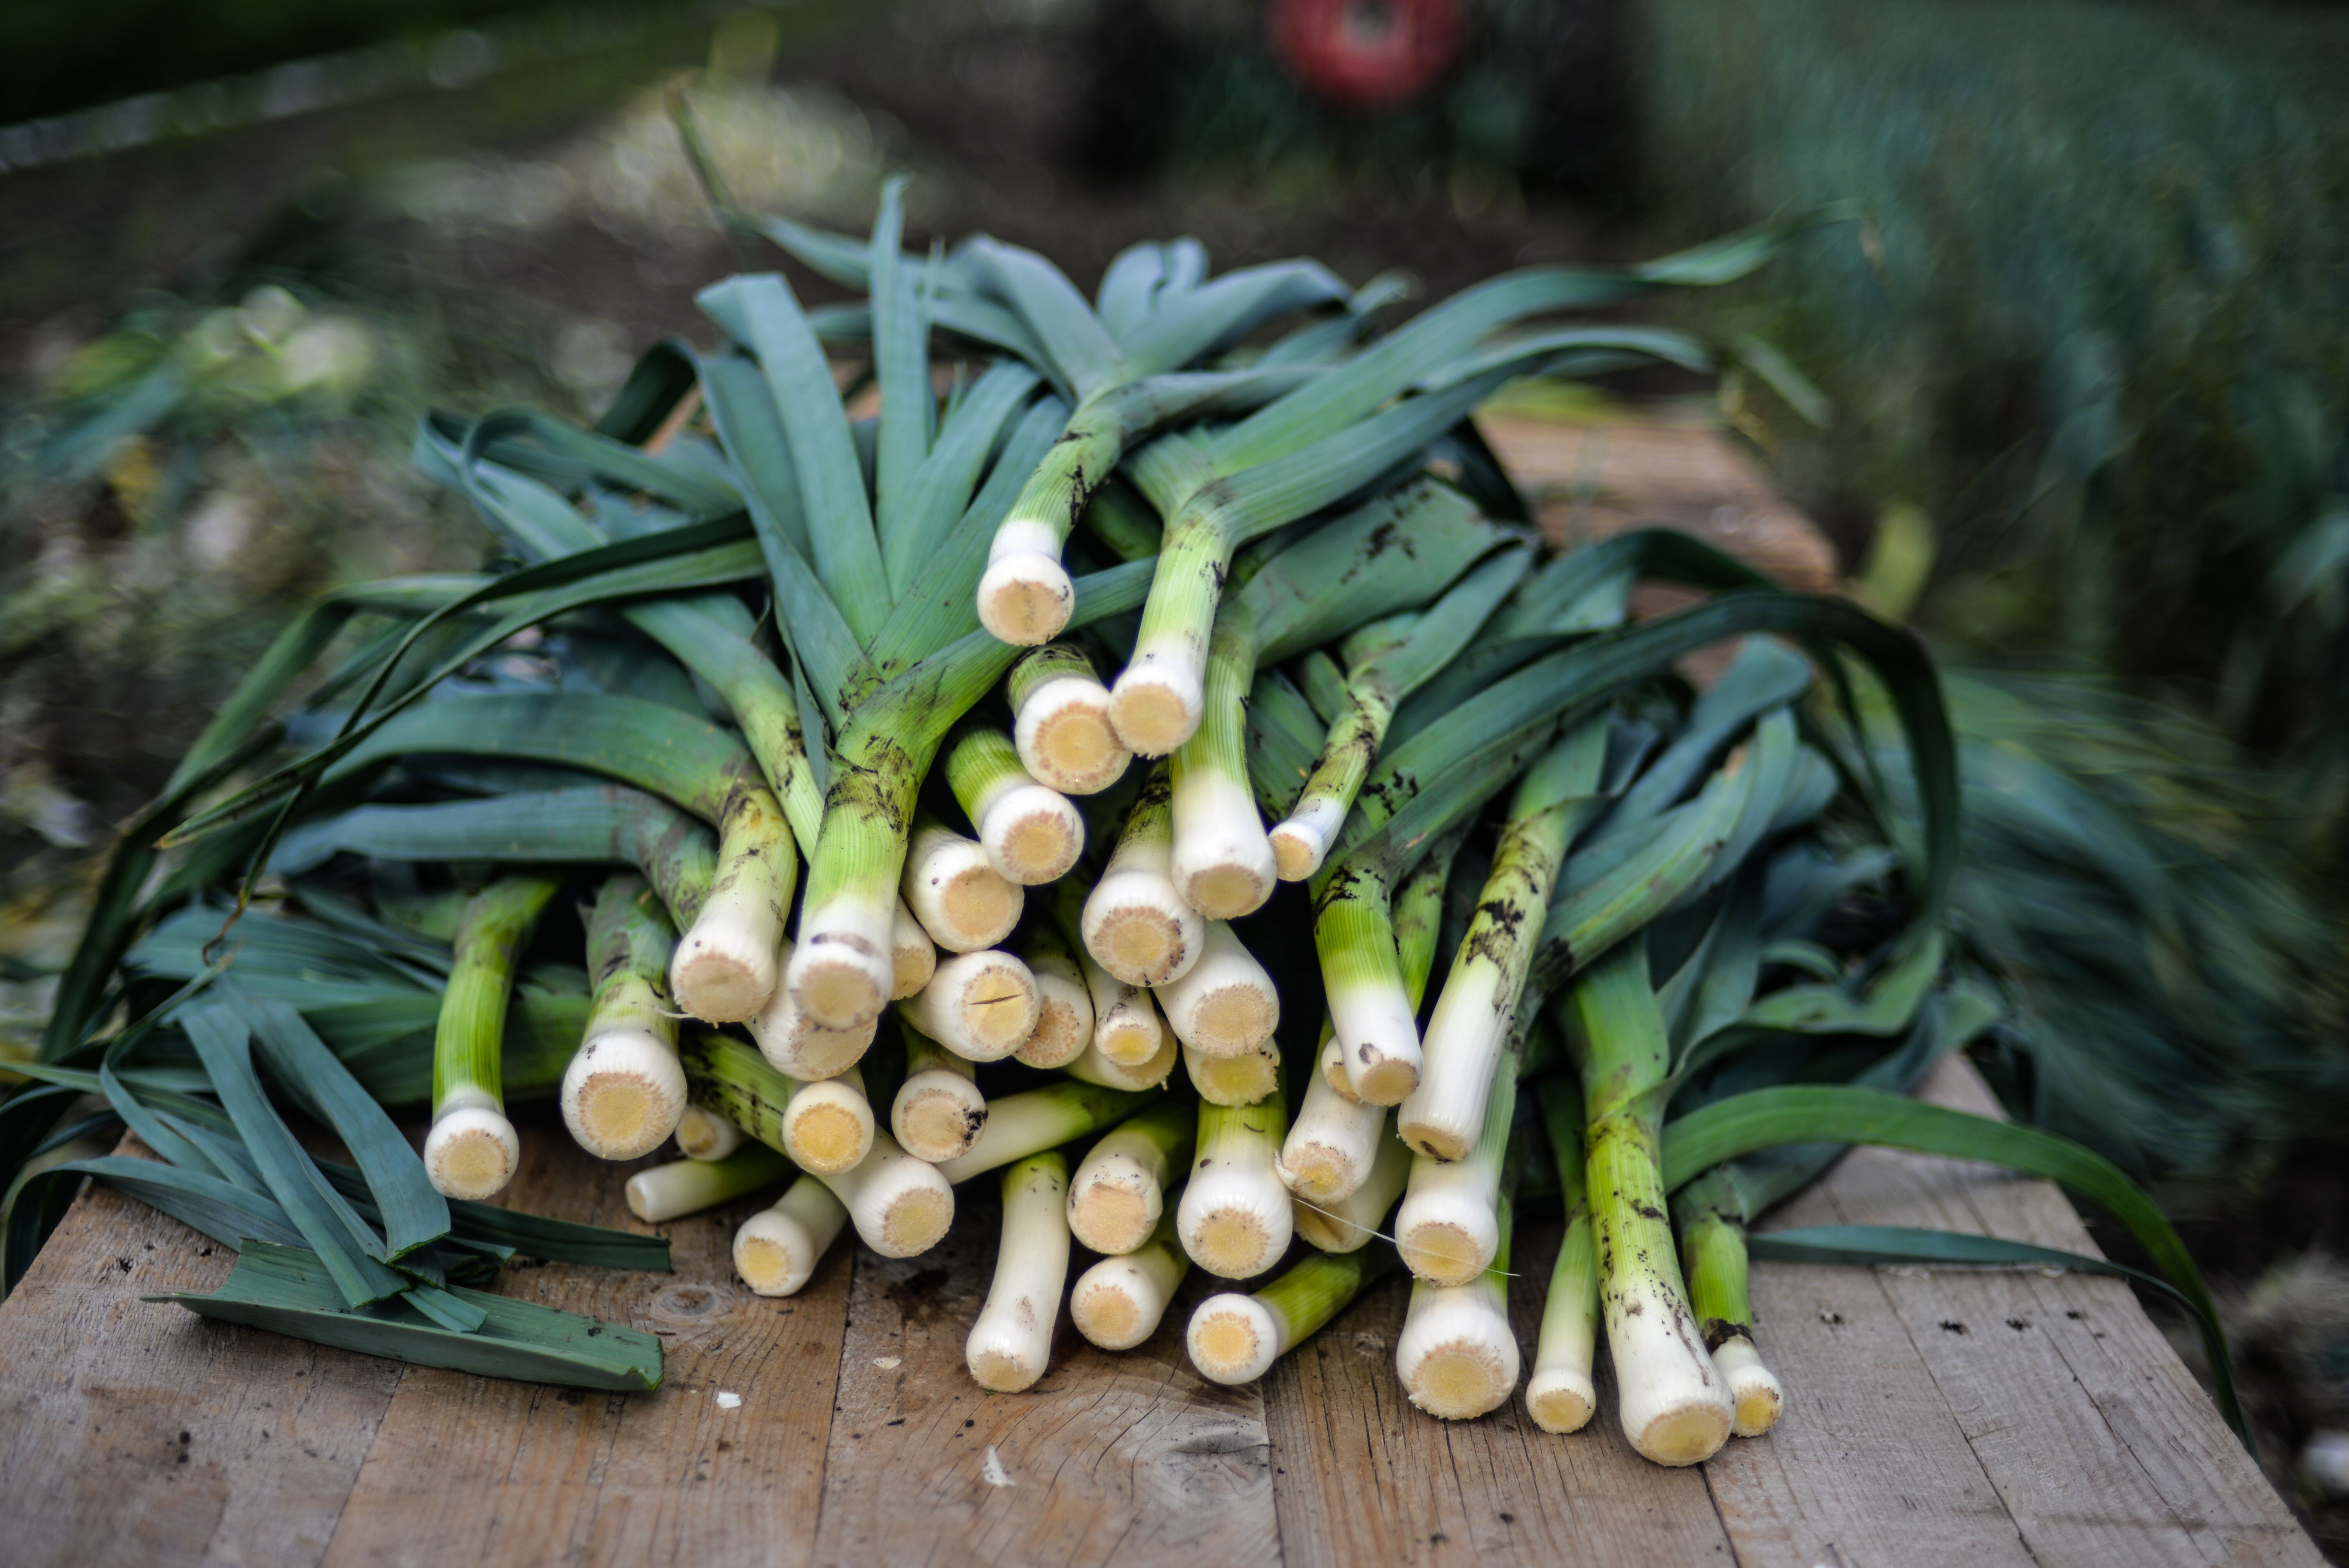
{"x":1944,"y":1418}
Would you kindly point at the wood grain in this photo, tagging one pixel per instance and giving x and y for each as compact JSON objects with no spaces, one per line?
{"x":1363,"y":1477}
{"x":1127,"y":1458}
{"x":136,"y":1432}
{"x":2099,"y":1443}
{"x":468,"y":1469}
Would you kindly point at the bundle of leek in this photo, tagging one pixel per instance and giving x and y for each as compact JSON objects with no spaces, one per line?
{"x":1647,"y":890}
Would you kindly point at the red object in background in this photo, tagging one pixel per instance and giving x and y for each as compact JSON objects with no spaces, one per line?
{"x":1368,"y":54}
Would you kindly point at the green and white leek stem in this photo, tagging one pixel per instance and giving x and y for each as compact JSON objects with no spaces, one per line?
{"x":825,"y":1126}
{"x":1712,"y":1254}
{"x":980,"y":1005}
{"x":1012,"y":1342}
{"x":473,"y":1150}
{"x":1475,"y":1012}
{"x":1354,"y":1220}
{"x":1561,"y":1396}
{"x":671,"y":1191}
{"x":938,"y":1110}
{"x":1234,"y":1218}
{"x":1064,"y":1004}
{"x":726,"y":963}
{"x":1335,"y":1135}
{"x":1136,"y":925}
{"x":1674,"y":1405}
{"x":951,"y":885}
{"x":1236,"y":1339}
{"x":1119,"y":1302}
{"x":1386,"y":661}
{"x":1031,"y":833}
{"x":1457,"y":1355}
{"x":1370,"y":1004}
{"x":900,"y":1205}
{"x":776,"y":1250}
{"x":1018,"y":1125}
{"x":1224,"y":1005}
{"x":1061,"y":727}
{"x":1223,"y":864}
{"x":1119,"y":1192}
{"x":624,"y":1091}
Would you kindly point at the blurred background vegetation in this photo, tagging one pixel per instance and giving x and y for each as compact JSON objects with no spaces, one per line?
{"x":2072,"y":396}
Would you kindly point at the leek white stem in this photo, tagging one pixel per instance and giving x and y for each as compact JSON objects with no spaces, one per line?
{"x":776,"y":1250}
{"x":1351,"y":1221}
{"x":1064,"y":1006}
{"x":1012,"y":1343}
{"x":955,"y":893}
{"x":1018,"y":1125}
{"x":1754,"y":1388}
{"x":938,"y":1110}
{"x":980,"y":1005}
{"x":913,"y":956}
{"x":703,"y":1134}
{"x":1457,"y":1355}
{"x":727,"y":964}
{"x":1224,"y":1005}
{"x":1473,"y":1019}
{"x":1331,"y":1066}
{"x":624,"y":1090}
{"x":796,"y":1045}
{"x":1561,"y":1396}
{"x":1449,"y":1228}
{"x":1234,"y":1218}
{"x":1119,"y":1192}
{"x":473,"y":1150}
{"x":1233,"y":1080}
{"x":1136,"y":925}
{"x":1236,"y":1339}
{"x":1119,"y":1302}
{"x":1031,"y":833}
{"x":1062,"y":732}
{"x":1126,"y":1027}
{"x":1093,"y":1068}
{"x":1674,"y":1406}
{"x":900,"y":1205}
{"x":828,"y":1124}
{"x":1223,"y":864}
{"x":671,"y":1191}
{"x":1370,"y":1006}
{"x":1331,"y":1142}
{"x":624,"y":1093}
{"x":1025,"y":596}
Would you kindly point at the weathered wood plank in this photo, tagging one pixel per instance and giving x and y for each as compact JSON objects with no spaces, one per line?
{"x":135,"y":1432}
{"x":474,"y":1469}
{"x":1363,"y":1477}
{"x":1131,"y":1458}
{"x":2099,"y":1443}
{"x":1866,"y":1464}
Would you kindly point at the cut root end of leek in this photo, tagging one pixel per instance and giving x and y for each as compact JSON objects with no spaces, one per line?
{"x":623,"y":1094}
{"x":1561,"y":1400}
{"x":472,"y":1153}
{"x":1025,"y":599}
{"x":1754,"y":1388}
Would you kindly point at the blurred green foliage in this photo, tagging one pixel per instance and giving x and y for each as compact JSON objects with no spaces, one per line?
{"x":2097,"y":327}
{"x":63,"y":57}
